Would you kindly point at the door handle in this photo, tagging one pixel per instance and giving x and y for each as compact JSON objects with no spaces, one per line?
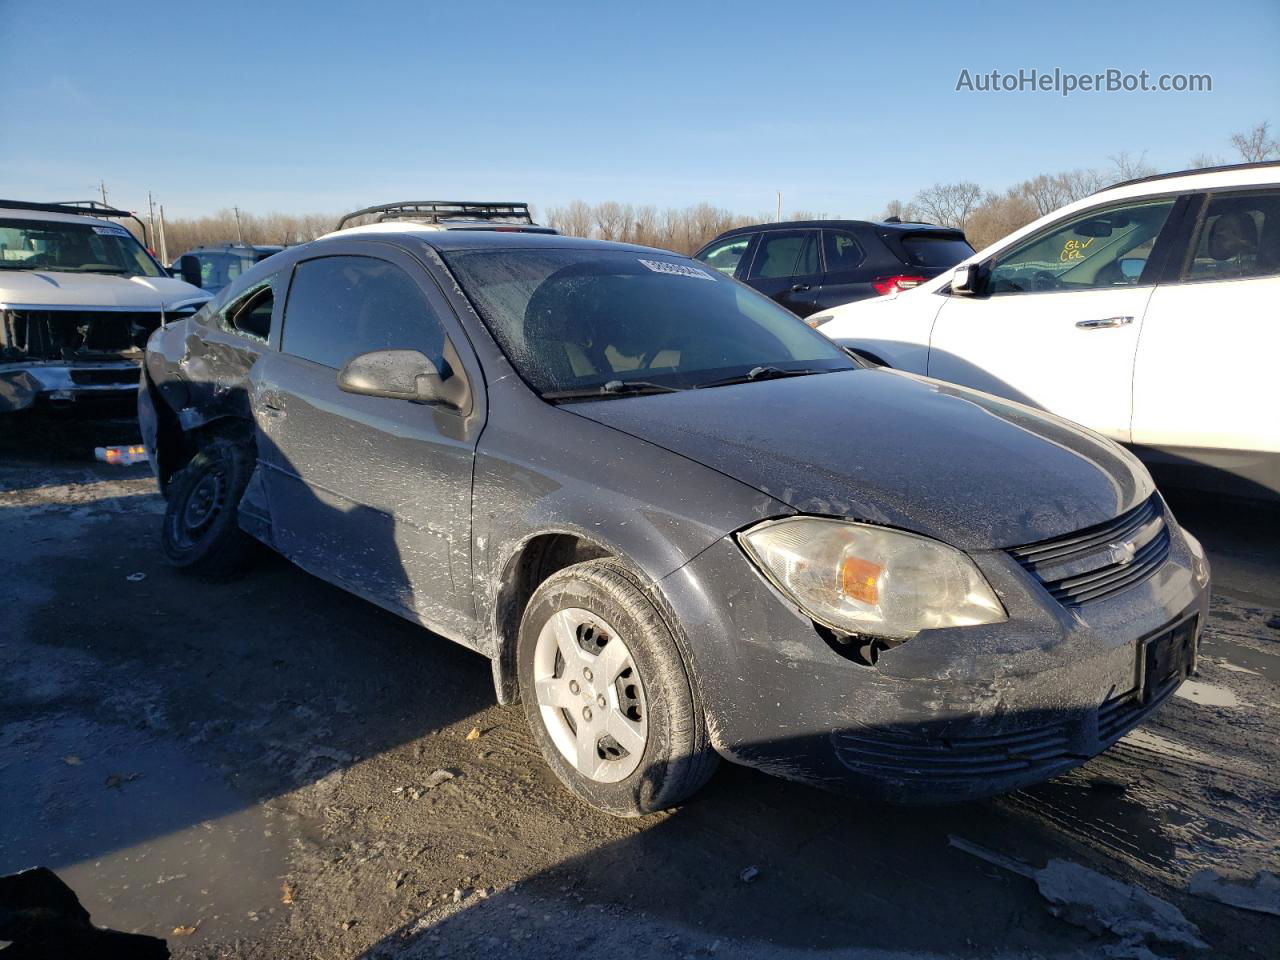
{"x":1104,"y":323}
{"x":800,"y":288}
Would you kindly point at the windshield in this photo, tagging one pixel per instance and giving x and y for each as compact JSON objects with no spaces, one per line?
{"x":67,"y":247}
{"x":572,"y":320}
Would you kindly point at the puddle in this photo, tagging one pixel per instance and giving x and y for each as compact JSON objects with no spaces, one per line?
{"x":1232,"y":668}
{"x":1240,"y":655}
{"x":148,"y":839}
{"x":1206,"y":694}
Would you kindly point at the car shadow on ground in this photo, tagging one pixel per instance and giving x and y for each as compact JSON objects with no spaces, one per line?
{"x":759,"y":867}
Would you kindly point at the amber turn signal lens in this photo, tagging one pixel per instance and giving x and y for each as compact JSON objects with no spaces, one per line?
{"x":860,"y":579}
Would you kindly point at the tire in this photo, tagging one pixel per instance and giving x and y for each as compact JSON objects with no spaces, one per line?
{"x":201,"y":533}
{"x":573,"y":714}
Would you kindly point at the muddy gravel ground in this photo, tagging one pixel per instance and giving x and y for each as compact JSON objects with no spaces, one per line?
{"x":250,"y":769}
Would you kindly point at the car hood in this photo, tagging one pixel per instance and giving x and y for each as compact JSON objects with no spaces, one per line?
{"x":889,"y":447}
{"x":55,"y":289}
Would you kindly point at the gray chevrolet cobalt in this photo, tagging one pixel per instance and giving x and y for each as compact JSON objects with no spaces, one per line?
{"x":680,"y":524}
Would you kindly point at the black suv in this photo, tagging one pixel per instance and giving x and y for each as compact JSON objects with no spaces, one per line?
{"x":809,"y":265}
{"x":212,"y":268}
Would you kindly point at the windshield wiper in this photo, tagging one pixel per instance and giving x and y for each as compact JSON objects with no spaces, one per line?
{"x":760,"y":373}
{"x":612,"y":388}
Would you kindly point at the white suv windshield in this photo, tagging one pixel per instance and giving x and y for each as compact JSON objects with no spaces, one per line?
{"x":66,"y":247}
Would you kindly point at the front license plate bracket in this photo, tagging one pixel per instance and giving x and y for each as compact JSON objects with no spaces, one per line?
{"x":1167,"y":658}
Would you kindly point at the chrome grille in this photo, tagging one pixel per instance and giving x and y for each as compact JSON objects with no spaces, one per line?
{"x":1102,"y":560}
{"x":71,"y":335}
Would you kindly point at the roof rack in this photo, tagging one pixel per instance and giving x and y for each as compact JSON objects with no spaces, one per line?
{"x":433,"y":211}
{"x":1224,"y":168}
{"x":80,"y":208}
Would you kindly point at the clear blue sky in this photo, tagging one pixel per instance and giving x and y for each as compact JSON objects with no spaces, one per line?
{"x":841,"y":105}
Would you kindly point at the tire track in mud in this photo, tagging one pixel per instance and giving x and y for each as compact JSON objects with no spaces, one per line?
{"x":1197,"y":785}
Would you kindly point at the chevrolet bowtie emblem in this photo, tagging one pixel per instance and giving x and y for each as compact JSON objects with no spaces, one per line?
{"x":1122,"y":553}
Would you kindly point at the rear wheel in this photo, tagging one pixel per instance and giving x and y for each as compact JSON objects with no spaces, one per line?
{"x":201,"y":533}
{"x":607,"y":693}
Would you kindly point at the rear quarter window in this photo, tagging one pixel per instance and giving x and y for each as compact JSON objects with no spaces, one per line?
{"x":934,"y":251}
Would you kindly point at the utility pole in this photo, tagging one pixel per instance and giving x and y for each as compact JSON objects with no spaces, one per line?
{"x":151,"y":218}
{"x":779,"y":217}
{"x":164,"y":250}
{"x":102,"y":185}
{"x":239,"y":232}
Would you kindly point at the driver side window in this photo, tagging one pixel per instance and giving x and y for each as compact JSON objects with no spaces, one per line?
{"x":1091,"y":251}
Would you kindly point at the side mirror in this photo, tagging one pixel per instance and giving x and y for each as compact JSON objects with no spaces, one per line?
{"x":189,"y":269}
{"x":1131,"y":268}
{"x":965,"y":279}
{"x":404,"y":375}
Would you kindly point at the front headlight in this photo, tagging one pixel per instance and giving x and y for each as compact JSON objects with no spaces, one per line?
{"x":868,"y":580}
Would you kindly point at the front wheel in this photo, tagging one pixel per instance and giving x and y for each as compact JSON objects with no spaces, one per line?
{"x":201,"y":533}
{"x":607,"y":694}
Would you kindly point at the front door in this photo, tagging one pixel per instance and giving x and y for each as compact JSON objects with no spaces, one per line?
{"x":370,"y":492}
{"x":1057,"y":322}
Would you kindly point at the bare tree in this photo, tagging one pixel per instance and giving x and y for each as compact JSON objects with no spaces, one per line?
{"x":1202,"y":160}
{"x":948,"y":204}
{"x":575,"y":220}
{"x":903,"y":211}
{"x":999,"y":215}
{"x":645,"y":226}
{"x":1257,"y":144}
{"x":1048,"y":192}
{"x":611,"y":220}
{"x":1128,"y":167}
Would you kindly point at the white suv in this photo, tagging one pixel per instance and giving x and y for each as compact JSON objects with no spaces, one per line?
{"x":79,"y":296}
{"x":1149,"y":311}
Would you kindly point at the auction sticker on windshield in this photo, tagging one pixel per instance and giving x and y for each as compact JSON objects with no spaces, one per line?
{"x":676,"y":269}
{"x":110,"y":231}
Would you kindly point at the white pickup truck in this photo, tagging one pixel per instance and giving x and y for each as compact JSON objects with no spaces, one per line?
{"x":1149,"y":312}
{"x":79,"y":295}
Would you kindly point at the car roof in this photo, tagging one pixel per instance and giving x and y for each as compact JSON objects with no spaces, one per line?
{"x":413,"y":237}
{"x":225,"y":247}
{"x":882,"y":225}
{"x":25,"y":213}
{"x":456,"y":240}
{"x":1191,"y":181}
{"x":1227,"y":172}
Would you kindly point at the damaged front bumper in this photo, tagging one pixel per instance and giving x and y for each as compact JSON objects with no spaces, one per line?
{"x":952,"y":714}
{"x":58,"y":382}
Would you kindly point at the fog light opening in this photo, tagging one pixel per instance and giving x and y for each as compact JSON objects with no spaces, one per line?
{"x":855,"y":647}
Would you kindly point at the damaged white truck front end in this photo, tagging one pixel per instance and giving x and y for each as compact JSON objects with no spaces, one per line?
{"x":59,"y":354}
{"x":79,"y":297}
